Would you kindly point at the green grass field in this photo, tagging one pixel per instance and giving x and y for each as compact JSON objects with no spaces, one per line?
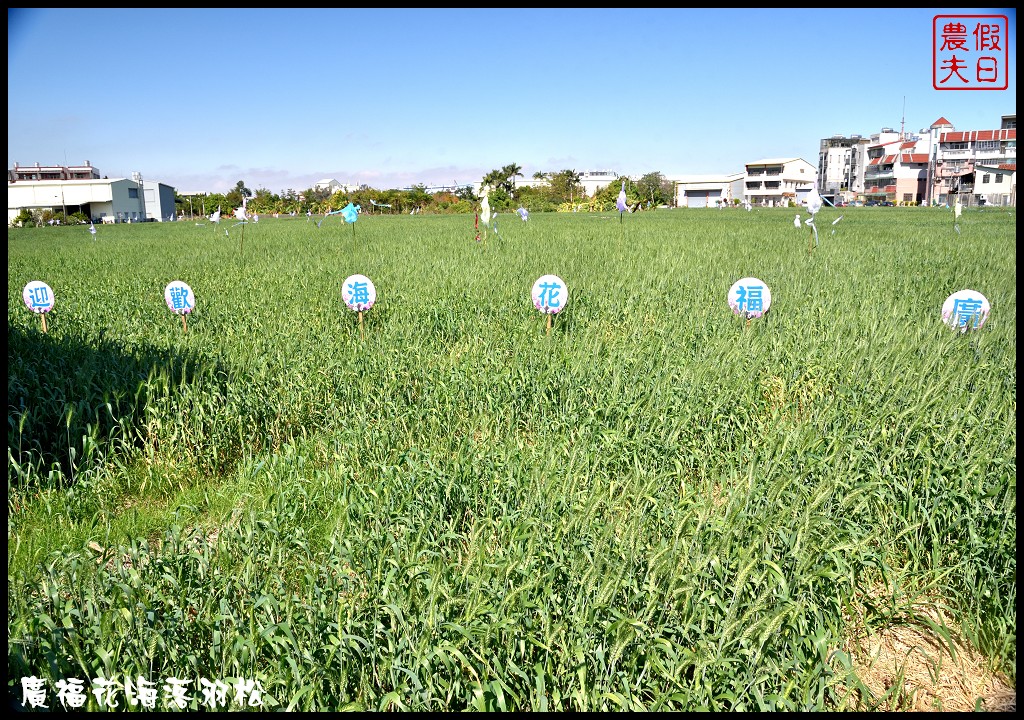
{"x":655,"y":506}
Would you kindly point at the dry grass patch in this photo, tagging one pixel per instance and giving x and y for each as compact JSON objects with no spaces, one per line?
{"x":911,"y":668}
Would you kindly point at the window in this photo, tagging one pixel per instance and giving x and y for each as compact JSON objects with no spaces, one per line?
{"x":133,"y":193}
{"x":984,"y":179}
{"x":908,"y":197}
{"x":999,"y":178}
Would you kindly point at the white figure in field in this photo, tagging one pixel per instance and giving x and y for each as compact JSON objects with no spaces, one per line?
{"x":485,"y":209}
{"x":485,"y":205}
{"x":796,"y":221}
{"x":813,"y":202}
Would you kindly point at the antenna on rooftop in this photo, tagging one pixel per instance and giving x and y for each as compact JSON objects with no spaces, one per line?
{"x":903,"y":120}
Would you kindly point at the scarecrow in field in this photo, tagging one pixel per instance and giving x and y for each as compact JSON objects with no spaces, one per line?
{"x":485,"y":212}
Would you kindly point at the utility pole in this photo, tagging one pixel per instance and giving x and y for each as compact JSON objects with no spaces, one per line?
{"x":903,"y":119}
{"x":137,"y":177}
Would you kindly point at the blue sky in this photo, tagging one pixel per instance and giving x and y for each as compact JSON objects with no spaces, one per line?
{"x":280,"y":98}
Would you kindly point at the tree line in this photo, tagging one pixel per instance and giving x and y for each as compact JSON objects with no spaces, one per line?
{"x":562,"y":192}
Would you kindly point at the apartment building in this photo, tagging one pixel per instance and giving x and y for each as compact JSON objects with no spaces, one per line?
{"x":841,"y":167}
{"x":931,"y":166}
{"x":972,"y":164}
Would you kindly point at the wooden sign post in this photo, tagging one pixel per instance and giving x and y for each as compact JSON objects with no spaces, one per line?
{"x":38,"y":297}
{"x":180,"y":300}
{"x":359,"y":295}
{"x":550,"y":295}
{"x":749,"y":298}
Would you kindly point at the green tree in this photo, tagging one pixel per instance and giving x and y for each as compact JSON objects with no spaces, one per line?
{"x":655,"y":189}
{"x":565,"y":185}
{"x":503,"y":178}
{"x":418,"y":197}
{"x":610,"y":192}
{"x":212,"y":202}
{"x":264,"y":202}
{"x":499,"y":199}
{"x":511,"y":172}
{"x":494,"y":178}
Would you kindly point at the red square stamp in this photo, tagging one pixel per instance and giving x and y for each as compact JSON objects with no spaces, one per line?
{"x":970,"y":52}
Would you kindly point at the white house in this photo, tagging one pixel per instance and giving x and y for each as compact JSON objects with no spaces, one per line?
{"x":774,"y":182}
{"x":332,"y":186}
{"x":996,"y":184}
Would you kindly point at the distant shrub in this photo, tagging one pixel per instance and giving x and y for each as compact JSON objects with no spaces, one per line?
{"x":24,"y":219}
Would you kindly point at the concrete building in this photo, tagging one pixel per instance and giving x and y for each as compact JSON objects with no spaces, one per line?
{"x":159,"y":201}
{"x":957,"y":156}
{"x":995,"y":185}
{"x":699,"y":191}
{"x":930,"y":166}
{"x":20,"y":173}
{"x":81,"y":189}
{"x":775,"y":182}
{"x":841,"y":167}
{"x":592,"y":181}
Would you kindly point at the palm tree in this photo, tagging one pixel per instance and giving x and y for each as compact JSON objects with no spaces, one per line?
{"x":574,"y":180}
{"x":511,"y":172}
{"x":494,"y":178}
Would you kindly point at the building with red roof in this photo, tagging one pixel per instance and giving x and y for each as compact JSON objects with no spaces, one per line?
{"x":930,"y":166}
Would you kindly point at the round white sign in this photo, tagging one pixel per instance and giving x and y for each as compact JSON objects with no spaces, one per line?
{"x":358,"y":292}
{"x":179,"y":297}
{"x":750,"y":298}
{"x":965,"y":310}
{"x":549,"y":294}
{"x":38,"y":297}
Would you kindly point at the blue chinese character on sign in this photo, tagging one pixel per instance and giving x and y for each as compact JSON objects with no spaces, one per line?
{"x":964,"y":309}
{"x":749,"y":295}
{"x":360,"y":294}
{"x":179,"y":298}
{"x":548,"y":294}
{"x":39,"y":296}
